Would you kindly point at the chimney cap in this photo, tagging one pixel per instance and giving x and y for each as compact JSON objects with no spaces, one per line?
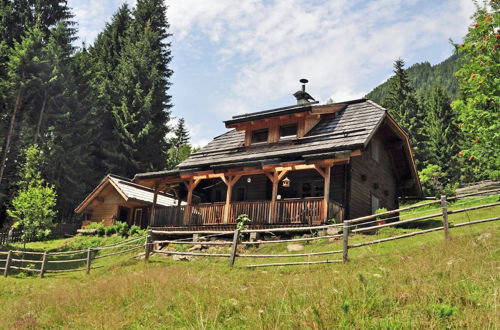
{"x":302,"y":96}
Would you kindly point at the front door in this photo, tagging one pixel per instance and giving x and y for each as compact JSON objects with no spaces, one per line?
{"x":138,"y":217}
{"x":123,"y":214}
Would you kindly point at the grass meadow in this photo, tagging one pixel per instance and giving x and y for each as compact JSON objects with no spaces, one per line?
{"x":417,"y":282}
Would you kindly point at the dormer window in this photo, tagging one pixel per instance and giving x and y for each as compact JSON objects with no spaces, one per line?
{"x":259,"y":136}
{"x":288,"y":131}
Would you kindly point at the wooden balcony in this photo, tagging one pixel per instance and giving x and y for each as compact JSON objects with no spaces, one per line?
{"x":307,"y":211}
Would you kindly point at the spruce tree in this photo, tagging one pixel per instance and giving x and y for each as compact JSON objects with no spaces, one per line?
{"x":444,"y":134}
{"x":105,"y":55}
{"x":403,"y":106}
{"x":180,"y":148}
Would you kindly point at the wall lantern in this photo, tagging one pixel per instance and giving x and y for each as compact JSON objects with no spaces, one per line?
{"x":286,"y":182}
{"x":249,"y":180}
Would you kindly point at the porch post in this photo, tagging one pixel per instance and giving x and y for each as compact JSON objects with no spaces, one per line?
{"x":325,"y":173}
{"x":153,"y":207}
{"x":326,"y":194}
{"x":275,"y":179}
{"x":190,"y":185}
{"x":272,"y":210}
{"x":229,"y":181}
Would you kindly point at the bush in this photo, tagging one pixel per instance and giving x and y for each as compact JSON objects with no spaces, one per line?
{"x":134,"y":230}
{"x":110,"y":230}
{"x":98,"y":226}
{"x":121,"y":228}
{"x":33,"y":207}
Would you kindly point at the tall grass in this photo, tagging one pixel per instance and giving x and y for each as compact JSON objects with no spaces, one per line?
{"x":412,"y":283}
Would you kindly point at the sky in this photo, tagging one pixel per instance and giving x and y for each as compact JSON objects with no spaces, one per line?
{"x":238,"y":56}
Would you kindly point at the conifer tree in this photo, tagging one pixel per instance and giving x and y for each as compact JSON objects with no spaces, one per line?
{"x":180,"y":148}
{"x":444,"y":134}
{"x":403,"y":106}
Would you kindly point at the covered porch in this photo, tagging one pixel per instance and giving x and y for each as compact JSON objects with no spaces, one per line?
{"x":271,"y":196}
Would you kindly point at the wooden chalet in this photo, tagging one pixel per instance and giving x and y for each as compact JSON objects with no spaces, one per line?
{"x":119,"y":199}
{"x":297,"y":165}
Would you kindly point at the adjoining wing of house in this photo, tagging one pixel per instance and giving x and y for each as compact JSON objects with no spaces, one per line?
{"x":117,"y":198}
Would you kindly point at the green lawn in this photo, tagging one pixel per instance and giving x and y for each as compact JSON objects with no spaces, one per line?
{"x":418,"y":282}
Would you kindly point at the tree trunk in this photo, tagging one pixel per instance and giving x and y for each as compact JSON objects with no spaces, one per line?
{"x":9,"y":135}
{"x":40,"y":118}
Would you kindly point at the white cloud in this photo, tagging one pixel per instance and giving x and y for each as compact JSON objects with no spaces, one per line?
{"x":337,"y":45}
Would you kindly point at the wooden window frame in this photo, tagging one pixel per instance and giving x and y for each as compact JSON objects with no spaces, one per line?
{"x":259,"y":131}
{"x":286,"y":126}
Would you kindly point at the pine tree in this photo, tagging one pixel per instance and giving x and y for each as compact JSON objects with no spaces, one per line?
{"x":180,"y":148}
{"x":402,"y":105}
{"x":181,"y":135}
{"x":105,"y":54}
{"x":141,"y":81}
{"x":478,"y":107}
{"x":444,"y":134}
{"x":23,"y":66}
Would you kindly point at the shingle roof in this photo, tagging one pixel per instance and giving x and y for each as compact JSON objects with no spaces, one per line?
{"x":141,"y":193}
{"x":128,"y":189}
{"x":349,"y":129}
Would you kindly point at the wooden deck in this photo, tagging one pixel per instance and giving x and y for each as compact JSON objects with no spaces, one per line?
{"x":289,"y":212}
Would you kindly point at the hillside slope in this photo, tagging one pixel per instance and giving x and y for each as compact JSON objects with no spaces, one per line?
{"x":417,"y":282}
{"x":423,"y":77}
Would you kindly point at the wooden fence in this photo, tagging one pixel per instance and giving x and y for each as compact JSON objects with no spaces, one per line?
{"x":64,"y":261}
{"x":83,"y":260}
{"x":10,"y":236}
{"x":348,"y":228}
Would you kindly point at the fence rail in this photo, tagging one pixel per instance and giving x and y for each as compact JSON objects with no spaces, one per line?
{"x":349,"y":228}
{"x":64,"y":261}
{"x":82,"y":260}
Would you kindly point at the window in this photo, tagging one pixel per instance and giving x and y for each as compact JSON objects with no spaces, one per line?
{"x":260,"y":135}
{"x":138,"y":217}
{"x":375,"y":203}
{"x":288,"y":131}
{"x":240,"y":194}
{"x":375,"y":150}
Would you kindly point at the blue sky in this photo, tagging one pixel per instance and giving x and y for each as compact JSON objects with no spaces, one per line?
{"x":237,"y":56}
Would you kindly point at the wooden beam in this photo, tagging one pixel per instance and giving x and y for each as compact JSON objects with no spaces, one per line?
{"x":191,"y":185}
{"x":229,"y":181}
{"x":272,"y":207}
{"x":326,"y":192}
{"x":320,"y":171}
{"x":153,"y":207}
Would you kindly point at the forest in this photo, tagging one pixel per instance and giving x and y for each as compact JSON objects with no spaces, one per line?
{"x":71,"y":114}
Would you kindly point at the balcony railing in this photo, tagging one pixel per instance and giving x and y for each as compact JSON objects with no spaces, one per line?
{"x":288,"y":211}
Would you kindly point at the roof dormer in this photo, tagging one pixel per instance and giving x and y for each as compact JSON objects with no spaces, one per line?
{"x":281,"y":124}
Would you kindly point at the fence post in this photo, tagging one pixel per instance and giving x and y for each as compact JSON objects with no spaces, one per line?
{"x":446,"y":226}
{"x":147,"y":249}
{"x":44,"y":263}
{"x":89,"y":259}
{"x":345,"y":235}
{"x":7,"y":264}
{"x":234,"y":246}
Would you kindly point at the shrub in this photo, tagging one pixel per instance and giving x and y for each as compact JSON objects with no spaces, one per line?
{"x":33,"y":207}
{"x":381,"y":218}
{"x":135,"y":230}
{"x":242,"y":222}
{"x":121,"y":228}
{"x":110,"y":230}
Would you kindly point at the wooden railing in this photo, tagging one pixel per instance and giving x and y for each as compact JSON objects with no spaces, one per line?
{"x":169,"y":216}
{"x":207,"y":214}
{"x":306,"y":211}
{"x":257,"y":211}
